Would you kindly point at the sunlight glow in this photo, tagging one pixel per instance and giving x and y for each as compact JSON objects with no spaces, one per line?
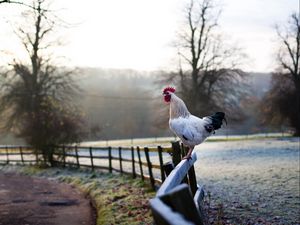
{"x":138,"y":34}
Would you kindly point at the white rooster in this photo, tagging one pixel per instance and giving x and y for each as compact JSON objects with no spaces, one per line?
{"x":190,"y":129}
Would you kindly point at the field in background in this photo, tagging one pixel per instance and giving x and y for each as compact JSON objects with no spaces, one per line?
{"x":252,"y":181}
{"x":165,"y":141}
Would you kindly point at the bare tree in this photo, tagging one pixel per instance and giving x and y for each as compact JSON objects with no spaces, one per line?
{"x":282,"y":103}
{"x":289,"y":53}
{"x":37,"y":97}
{"x":208,"y":75}
{"x":15,"y":2}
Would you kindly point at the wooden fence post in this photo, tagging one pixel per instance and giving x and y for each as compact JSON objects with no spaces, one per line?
{"x":133,"y":163}
{"x":184,"y":151}
{"x":192,"y":180}
{"x":191,"y":174}
{"x":64,"y":156}
{"x":120,"y":159}
{"x":152,"y":181}
{"x":161,"y":164}
{"x":91,"y":156}
{"x":36,"y":153}
{"x":168,"y":167}
{"x":176,"y":157}
{"x":181,"y":200}
{"x":7,"y":155}
{"x":140,"y":162}
{"x":21,"y":153}
{"x":77,"y":157}
{"x":109,"y":160}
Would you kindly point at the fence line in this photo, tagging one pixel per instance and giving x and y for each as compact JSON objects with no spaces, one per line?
{"x":178,"y":197}
{"x":104,"y":158}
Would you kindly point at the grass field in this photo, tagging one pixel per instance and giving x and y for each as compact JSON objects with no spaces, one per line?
{"x":252,"y":181}
{"x":165,"y":141}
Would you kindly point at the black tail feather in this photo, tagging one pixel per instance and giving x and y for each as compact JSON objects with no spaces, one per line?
{"x":217,"y":121}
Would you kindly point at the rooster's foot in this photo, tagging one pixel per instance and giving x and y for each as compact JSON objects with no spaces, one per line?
{"x":188,"y":157}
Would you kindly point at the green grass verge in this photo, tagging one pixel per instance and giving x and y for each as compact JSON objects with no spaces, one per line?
{"x":118,"y":199}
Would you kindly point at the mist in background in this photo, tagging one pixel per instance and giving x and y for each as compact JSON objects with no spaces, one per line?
{"x":125,"y":104}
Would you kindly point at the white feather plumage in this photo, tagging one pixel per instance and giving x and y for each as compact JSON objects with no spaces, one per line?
{"x":189,"y":128}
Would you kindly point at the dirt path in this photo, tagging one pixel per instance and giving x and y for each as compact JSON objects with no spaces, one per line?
{"x":35,"y":201}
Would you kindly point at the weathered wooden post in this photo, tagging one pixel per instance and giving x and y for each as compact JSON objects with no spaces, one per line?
{"x":161,"y":163}
{"x":140,"y":162}
{"x":109,"y":160}
{"x":120,"y":159}
{"x":21,"y":153}
{"x":152,"y":181}
{"x":178,"y":153}
{"x":191,"y":174}
{"x":7,"y":155}
{"x":168,"y":167}
{"x":77,"y":157}
{"x":34,"y":151}
{"x":176,"y":157}
{"x":64,"y":156}
{"x":192,"y":180}
{"x":198,"y":199}
{"x":91,"y":156}
{"x":180,"y":200}
{"x":133,"y":163}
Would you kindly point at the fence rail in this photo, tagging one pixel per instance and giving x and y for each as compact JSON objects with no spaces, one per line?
{"x":179,"y":199}
{"x":146,"y":163}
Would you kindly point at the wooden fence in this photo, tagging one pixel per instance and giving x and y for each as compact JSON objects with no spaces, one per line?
{"x":146,"y":163}
{"x":17,"y":154}
{"x":179,"y":200}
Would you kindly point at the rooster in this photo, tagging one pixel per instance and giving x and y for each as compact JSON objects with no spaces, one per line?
{"x":190,"y":129}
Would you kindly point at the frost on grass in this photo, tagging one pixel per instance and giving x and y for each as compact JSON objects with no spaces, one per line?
{"x":117,"y":199}
{"x":251,"y":182}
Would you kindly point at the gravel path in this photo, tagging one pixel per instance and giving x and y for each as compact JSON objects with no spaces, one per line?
{"x":35,"y":201}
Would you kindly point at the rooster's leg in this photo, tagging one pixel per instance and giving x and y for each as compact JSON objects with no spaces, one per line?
{"x":188,"y":155}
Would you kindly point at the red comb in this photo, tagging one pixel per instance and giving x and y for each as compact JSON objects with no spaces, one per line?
{"x":171,"y":89}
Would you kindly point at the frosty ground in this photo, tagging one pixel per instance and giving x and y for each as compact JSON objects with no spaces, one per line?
{"x":254,"y":181}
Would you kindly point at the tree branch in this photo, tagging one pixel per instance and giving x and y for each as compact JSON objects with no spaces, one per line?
{"x":18,"y":3}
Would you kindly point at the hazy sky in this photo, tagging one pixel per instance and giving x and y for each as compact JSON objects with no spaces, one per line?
{"x":138,"y":34}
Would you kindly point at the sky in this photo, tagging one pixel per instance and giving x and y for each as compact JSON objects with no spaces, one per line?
{"x":138,"y":34}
